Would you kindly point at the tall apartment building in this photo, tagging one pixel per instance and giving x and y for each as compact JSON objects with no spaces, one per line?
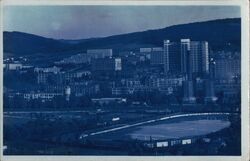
{"x":186,"y":69}
{"x":189,"y":58}
{"x":172,"y":57}
{"x":199,"y":57}
{"x":175,"y":57}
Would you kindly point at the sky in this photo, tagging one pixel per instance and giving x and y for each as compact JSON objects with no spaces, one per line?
{"x":79,"y":22}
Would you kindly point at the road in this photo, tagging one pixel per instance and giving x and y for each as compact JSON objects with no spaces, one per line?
{"x":42,"y":112}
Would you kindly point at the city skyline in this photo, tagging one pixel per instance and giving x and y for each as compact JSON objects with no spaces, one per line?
{"x":63,"y":22}
{"x":114,"y":89}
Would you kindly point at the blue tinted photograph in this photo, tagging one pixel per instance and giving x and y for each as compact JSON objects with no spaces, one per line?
{"x":122,"y":80}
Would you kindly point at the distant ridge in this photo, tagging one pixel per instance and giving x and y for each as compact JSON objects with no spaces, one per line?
{"x":219,"y":33}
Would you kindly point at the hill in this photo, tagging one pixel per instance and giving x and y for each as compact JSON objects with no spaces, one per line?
{"x":219,"y":33}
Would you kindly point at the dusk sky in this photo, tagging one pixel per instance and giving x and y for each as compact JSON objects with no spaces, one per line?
{"x":78,"y":22}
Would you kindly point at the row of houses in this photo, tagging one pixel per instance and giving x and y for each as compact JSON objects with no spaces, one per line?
{"x":173,"y":142}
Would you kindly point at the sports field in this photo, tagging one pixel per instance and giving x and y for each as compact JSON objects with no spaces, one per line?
{"x":167,"y":129}
{"x":178,"y":129}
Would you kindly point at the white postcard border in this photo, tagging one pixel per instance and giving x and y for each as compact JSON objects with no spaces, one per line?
{"x":244,"y":80}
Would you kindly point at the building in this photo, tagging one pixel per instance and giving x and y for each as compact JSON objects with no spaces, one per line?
{"x":60,"y":77}
{"x":172,"y":57}
{"x":169,"y":143}
{"x":210,"y":94}
{"x":166,"y":84}
{"x":175,"y":57}
{"x":43,"y":96}
{"x":209,"y":84}
{"x":12,"y":66}
{"x":155,"y":52}
{"x":148,"y":50}
{"x":132,"y":59}
{"x":67,"y":93}
{"x":186,"y":69}
{"x":76,"y":59}
{"x":78,"y":89}
{"x":199,"y":57}
{"x":227,"y":68}
{"x":53,"y":69}
{"x":189,"y":58}
{"x":106,"y":64}
{"x":125,"y":53}
{"x":188,"y":91}
{"x":100,"y":53}
{"x":82,"y":58}
{"x":104,"y":101}
{"x":198,"y":60}
{"x":157,"y":56}
{"x":126,"y":87}
{"x":42,"y":78}
{"x":127,"y":82}
{"x":145,"y":50}
{"x":230,"y":91}
{"x":86,"y":88}
{"x":122,"y":90}
{"x":130,"y":90}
